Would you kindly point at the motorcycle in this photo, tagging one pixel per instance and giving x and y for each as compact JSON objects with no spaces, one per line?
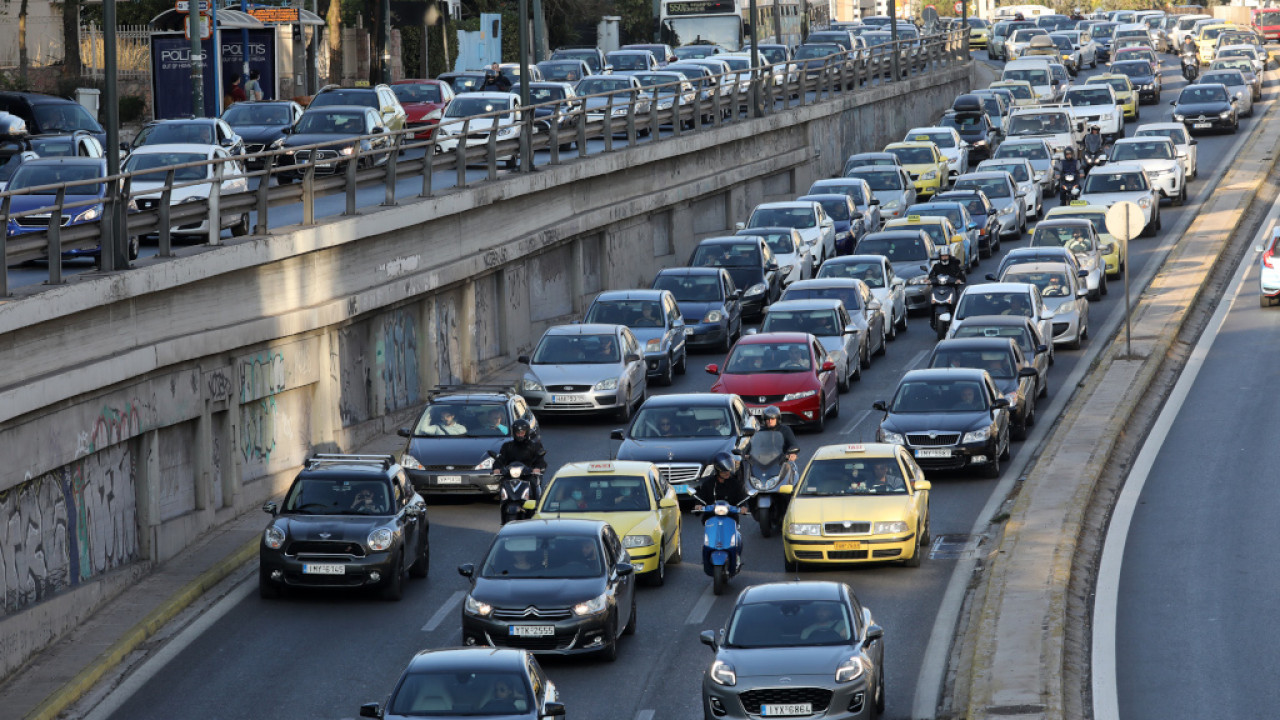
{"x":1093,"y":157}
{"x":1068,"y":189}
{"x":1190,"y":67}
{"x":721,"y":542}
{"x":768,"y":470}
{"x":946,"y":289}
{"x":514,"y":490}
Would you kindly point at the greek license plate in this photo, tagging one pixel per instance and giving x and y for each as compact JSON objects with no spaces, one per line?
{"x":324,"y":569}
{"x":448,"y":479}
{"x":848,"y":546}
{"x":787,"y":709}
{"x":532,"y":630}
{"x":756,"y":411}
{"x":683,"y":489}
{"x":568,"y":399}
{"x":1202,"y":126}
{"x":933,"y":452}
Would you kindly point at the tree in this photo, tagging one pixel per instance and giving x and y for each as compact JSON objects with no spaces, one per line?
{"x":71,"y":63}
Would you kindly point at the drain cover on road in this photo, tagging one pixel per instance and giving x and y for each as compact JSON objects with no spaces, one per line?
{"x":955,"y":547}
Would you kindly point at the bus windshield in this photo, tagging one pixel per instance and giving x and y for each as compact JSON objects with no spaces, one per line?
{"x":702,"y":22}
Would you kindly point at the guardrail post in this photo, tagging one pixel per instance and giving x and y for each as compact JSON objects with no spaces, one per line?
{"x":608,"y":123}
{"x":162,"y":207}
{"x":631,"y":120}
{"x":262,"y":201}
{"x":717,"y":107}
{"x":215,"y":209}
{"x":894,"y":62}
{"x":697,"y":111}
{"x":582,"y":129}
{"x":392,"y":159}
{"x":349,"y":170}
{"x":844,"y":74}
{"x":655,"y":123}
{"x":525,"y":159}
{"x":677,"y":112}
{"x":4,"y":248}
{"x":460,"y":154}
{"x":429,"y":162}
{"x":553,"y":137}
{"x":309,"y":192}
{"x":55,"y":238}
{"x":124,"y":220}
{"x":491,"y":151}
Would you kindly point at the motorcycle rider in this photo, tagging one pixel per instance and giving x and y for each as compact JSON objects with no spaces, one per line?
{"x":771,"y":419}
{"x":1069,"y":167}
{"x":723,"y":484}
{"x":947,"y":264}
{"x":1093,"y":142}
{"x":522,"y":448}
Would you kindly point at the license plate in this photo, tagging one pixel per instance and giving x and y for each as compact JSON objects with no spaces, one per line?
{"x":933,"y":452}
{"x":848,"y":546}
{"x":324,"y":569}
{"x":1202,"y":126}
{"x":532,"y":630}
{"x":787,"y":709}
{"x":448,"y":479}
{"x":756,"y":411}
{"x":568,"y":399}
{"x":683,"y":489}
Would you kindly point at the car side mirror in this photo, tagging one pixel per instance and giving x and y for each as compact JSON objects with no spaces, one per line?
{"x":858,"y":216}
{"x":737,"y":295}
{"x":991,"y":277}
{"x":923,"y":485}
{"x":523,"y":359}
{"x":850,"y":329}
{"x":617,"y":434}
{"x":1082,"y":273}
{"x":1041,"y":349}
{"x":1194,"y":141}
{"x":371,"y":710}
{"x":1046,"y":315}
{"x":740,"y":226}
{"x":1000,"y":402}
{"x":271,"y":508}
{"x":631,"y":358}
{"x":827,"y":366}
{"x":623,"y":568}
{"x":404,"y":432}
{"x":1173,"y":102}
{"x":530,"y":505}
{"x":1082,"y":292}
{"x":752,"y":331}
{"x":668,"y":502}
{"x":880,"y":405}
{"x":467,"y":570}
{"x":713,"y":369}
{"x":772,"y":266}
{"x":552,"y":710}
{"x":1027,"y":372}
{"x":708,"y":638}
{"x":875,"y":201}
{"x":874,"y":633}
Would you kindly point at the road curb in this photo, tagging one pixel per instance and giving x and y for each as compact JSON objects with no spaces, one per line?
{"x":1018,"y":626}
{"x":132,"y":639}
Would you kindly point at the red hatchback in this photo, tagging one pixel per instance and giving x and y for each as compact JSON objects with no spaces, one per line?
{"x":424,"y":102}
{"x":788,"y":370}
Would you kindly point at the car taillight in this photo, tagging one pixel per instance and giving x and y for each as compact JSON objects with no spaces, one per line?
{"x":1266,"y":257}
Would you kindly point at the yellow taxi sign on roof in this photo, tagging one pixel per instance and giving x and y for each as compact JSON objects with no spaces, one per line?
{"x":855,"y":448}
{"x":913,"y":218}
{"x":923,"y":138}
{"x":1079,"y":202}
{"x":599,"y":467}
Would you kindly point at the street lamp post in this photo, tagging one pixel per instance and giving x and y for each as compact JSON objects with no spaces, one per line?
{"x":526,"y":117}
{"x":114,"y":233}
{"x":757,"y":79}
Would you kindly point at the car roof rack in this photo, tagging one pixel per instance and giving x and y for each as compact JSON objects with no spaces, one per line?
{"x":383,"y":461}
{"x":448,"y":389}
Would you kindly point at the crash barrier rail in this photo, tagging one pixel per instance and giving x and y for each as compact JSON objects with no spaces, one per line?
{"x":618,"y":118}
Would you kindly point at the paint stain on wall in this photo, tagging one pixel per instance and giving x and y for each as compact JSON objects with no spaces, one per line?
{"x":397,"y":358}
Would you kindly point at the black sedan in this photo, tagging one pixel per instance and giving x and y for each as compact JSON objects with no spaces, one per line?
{"x":682,"y":433}
{"x":469,"y":682}
{"x":969,"y":118}
{"x":342,"y":129}
{"x":1015,"y":376}
{"x":949,"y":419}
{"x":750,"y":263}
{"x":262,"y":125}
{"x":1145,"y":79}
{"x":561,"y":587}
{"x":1206,"y":107}
{"x":710,"y":303}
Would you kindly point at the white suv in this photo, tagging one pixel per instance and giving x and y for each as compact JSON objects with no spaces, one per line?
{"x":1053,"y":123}
{"x":1096,"y":105}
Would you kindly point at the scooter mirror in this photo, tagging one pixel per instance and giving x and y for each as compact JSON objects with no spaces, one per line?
{"x":530,"y":505}
{"x":786,"y":489}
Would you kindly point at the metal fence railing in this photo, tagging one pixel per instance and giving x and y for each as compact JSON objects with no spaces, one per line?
{"x":133,"y":51}
{"x":344,"y":167}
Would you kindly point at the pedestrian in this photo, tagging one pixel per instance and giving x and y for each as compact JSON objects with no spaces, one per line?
{"x":235,"y":93}
{"x":254,"y":88}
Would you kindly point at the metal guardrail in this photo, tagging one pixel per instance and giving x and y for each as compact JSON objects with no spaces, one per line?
{"x":719,"y":100}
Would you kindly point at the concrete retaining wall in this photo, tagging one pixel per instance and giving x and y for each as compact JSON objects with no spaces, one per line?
{"x":140,"y":409}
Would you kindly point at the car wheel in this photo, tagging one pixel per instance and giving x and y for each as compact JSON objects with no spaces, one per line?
{"x":267,"y":590}
{"x":880,"y":692}
{"x":668,"y":376}
{"x":241,"y":228}
{"x":422,"y":565}
{"x":283,"y":179}
{"x":791,"y":566}
{"x":623,"y":413}
{"x":1019,"y":429}
{"x":678,"y":554}
{"x":1095,"y":295}
{"x":1044,"y":388}
{"x":719,"y":579}
{"x":835,"y":409}
{"x":916,"y":556}
{"x":1102,"y":284}
{"x":727,"y":344}
{"x":891,"y":332}
{"x":844,"y":382}
{"x":865,"y":358}
{"x":1182,"y":193}
{"x":393,"y":587}
{"x":683,"y":365}
{"x":992,"y":468}
{"x":884,"y":341}
{"x":658,"y":577}
{"x":1029,"y":421}
{"x":630,"y":629}
{"x":610,"y":651}
{"x":135,"y":247}
{"x":821,"y":423}
{"x":857,"y":372}
{"x":902,"y":322}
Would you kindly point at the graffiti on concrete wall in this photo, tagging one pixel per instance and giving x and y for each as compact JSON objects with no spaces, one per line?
{"x":114,"y":424}
{"x":397,"y":353}
{"x":448,"y":350}
{"x":350,"y":372}
{"x":274,"y":432}
{"x":67,"y":526}
{"x":261,"y":375}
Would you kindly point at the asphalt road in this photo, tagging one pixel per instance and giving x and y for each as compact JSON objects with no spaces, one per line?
{"x":322,"y":655}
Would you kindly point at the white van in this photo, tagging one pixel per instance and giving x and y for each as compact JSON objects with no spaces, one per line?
{"x":1034,"y":70}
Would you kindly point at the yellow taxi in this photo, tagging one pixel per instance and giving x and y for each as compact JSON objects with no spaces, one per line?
{"x":1207,"y":41}
{"x":1126,"y":94}
{"x":1023,"y":93}
{"x":632,"y":497}
{"x":979,"y":34}
{"x":857,"y":503}
{"x":1115,"y":252}
{"x":924,"y":162}
{"x":940,"y":231}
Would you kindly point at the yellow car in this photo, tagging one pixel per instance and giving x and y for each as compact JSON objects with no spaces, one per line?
{"x":940,"y":231}
{"x":1126,"y":95}
{"x":1023,"y":93}
{"x":632,"y":497}
{"x":1207,"y":41}
{"x":1115,"y":252}
{"x":858,"y":503}
{"x":978,"y":35}
{"x":924,"y":162}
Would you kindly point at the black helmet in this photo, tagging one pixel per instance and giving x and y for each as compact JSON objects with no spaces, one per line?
{"x":772,"y":413}
{"x":1068,"y":152}
{"x":519,"y":425}
{"x":725,"y":462}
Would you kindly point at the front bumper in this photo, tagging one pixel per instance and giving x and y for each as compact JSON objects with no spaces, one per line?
{"x":441,"y":481}
{"x":1008,"y":224}
{"x":794,"y":412}
{"x":926,"y":188}
{"x":1152,"y":95}
{"x":1166,"y":183}
{"x":1112,"y":262}
{"x":956,"y":457}
{"x":655,"y":363}
{"x":365,"y":570}
{"x":917,"y":297}
{"x":1217,"y":122}
{"x":850,"y":549}
{"x":1269,"y":281}
{"x":1130,"y":110}
{"x":703,"y":334}
{"x":570,"y":636}
{"x":1066,"y":328}
{"x":846,"y":701}
{"x":576,"y":402}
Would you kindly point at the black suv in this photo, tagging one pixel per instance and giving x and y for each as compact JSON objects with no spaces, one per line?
{"x":46,"y":114}
{"x":347,"y":521}
{"x":450,"y":446}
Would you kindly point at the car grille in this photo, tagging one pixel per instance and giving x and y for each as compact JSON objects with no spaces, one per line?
{"x":847,"y":555}
{"x":763,"y":399}
{"x":324,"y":547}
{"x":450,"y":468}
{"x":808,"y":554}
{"x":569,"y":388}
{"x":250,"y":149}
{"x":304,"y":156}
{"x":838,"y":528}
{"x":1059,"y":328}
{"x":536,"y":643}
{"x":919,"y":440}
{"x":819,"y":698}
{"x":147,"y":203}
{"x":532,"y":613}
{"x":914,"y":176}
{"x":679,"y":473}
{"x":38,"y":220}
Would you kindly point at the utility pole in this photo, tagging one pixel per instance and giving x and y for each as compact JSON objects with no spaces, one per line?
{"x":384,"y":38}
{"x":114,"y":236}
{"x":538,"y":30}
{"x":757,"y":78}
{"x":197,"y":61}
{"x":526,"y":126}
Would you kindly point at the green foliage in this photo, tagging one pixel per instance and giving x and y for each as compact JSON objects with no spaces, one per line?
{"x":138,"y":12}
{"x":131,"y":108}
{"x":11,"y":80}
{"x":637,"y":24}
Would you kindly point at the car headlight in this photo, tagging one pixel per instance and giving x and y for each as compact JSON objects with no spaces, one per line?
{"x":133,"y":204}
{"x":1012,"y":397}
{"x":706,"y":471}
{"x":850,"y":670}
{"x":653,"y":345}
{"x":799,"y":395}
{"x":1065,"y":308}
{"x":1178,"y":118}
{"x":1007,"y":210}
{"x":636,"y":541}
{"x":931,"y":175}
{"x":892,"y":438}
{"x":1145,"y":201}
{"x":977,"y":435}
{"x":380,"y":539}
{"x":895,"y":527}
{"x":1148,"y":86}
{"x":433,"y":115}
{"x":620,"y":110}
{"x":410,"y":462}
{"x":348,"y":150}
{"x":592,"y":606}
{"x":273,"y":537}
{"x":1225,"y":114}
{"x":1087,"y":262}
{"x":757,"y":289}
{"x":804,"y":529}
{"x":713,"y":316}
{"x":919,"y":280}
{"x":1040,"y":175}
{"x":92,"y":213}
{"x":277,"y":144}
{"x":527,"y":385}
{"x":722,"y":673}
{"x":606,"y":384}
{"x":186,"y":200}
{"x":507,"y":131}
{"x":486,"y":463}
{"x":892,"y":205}
{"x":472,"y":606}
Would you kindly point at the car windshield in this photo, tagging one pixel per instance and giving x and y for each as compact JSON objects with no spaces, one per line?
{"x":1030,"y":150}
{"x":1021,"y":92}
{"x":973,"y":203}
{"x":991,"y":187}
{"x":799,"y":218}
{"x":352,"y":96}
{"x":963,"y":121}
{"x":774,"y":55}
{"x":1244,"y":65}
{"x":1142,"y":150}
{"x":577,"y":350}
{"x":464,"y":420}
{"x":418,"y":93}
{"x":1104,"y":30}
{"x":465,"y":83}
{"x":149,"y":161}
{"x":880,"y":180}
{"x":836,"y":208}
{"x":811,"y":52}
{"x":822,"y":323}
{"x":560,"y":71}
{"x":853,"y":477}
{"x":596,"y":493}
{"x":335,"y":496}
{"x":868,"y":271}
{"x":847,"y":295}
{"x":464,"y":107}
{"x":949,"y":211}
{"x":898,"y":248}
{"x":330,"y":123}
{"x":169,"y":133}
{"x":789,"y":623}
{"x":690,"y":288}
{"x":914,"y":155}
{"x":1120,"y":84}
{"x":747,"y":359}
{"x":628,"y":61}
{"x":1085,"y":96}
{"x":1026,"y":34}
{"x":1017,"y":170}
{"x":258,"y":114}
{"x":1051,"y":284}
{"x":632,"y":313}
{"x":1018,"y":333}
{"x":31,"y":175}
{"x":588,"y":56}
{"x":1063,"y":43}
{"x":596,"y":85}
{"x":1231,"y":79}
{"x":681,"y":422}
{"x":1039,"y":124}
{"x":64,"y":117}
{"x":664,"y":83}
{"x":853,"y":190}
{"x":1133,"y":68}
{"x":745,"y":254}
{"x":1072,"y":237}
{"x":1102,"y":182}
{"x":941,"y":139}
{"x":545,"y":556}
{"x":539,"y":95}
{"x":56,"y":146}
{"x":1176,"y":134}
{"x":938,"y":396}
{"x":1035,"y":76}
{"x":994,"y":303}
{"x":454,"y":693}
{"x":779,"y":243}
{"x":997,"y":364}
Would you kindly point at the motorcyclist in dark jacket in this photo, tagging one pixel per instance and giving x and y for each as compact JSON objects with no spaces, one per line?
{"x":522,"y":448}
{"x":1093,"y":142}
{"x":947,"y":264}
{"x":1069,"y":164}
{"x":771,"y":419}
{"x":723,"y":484}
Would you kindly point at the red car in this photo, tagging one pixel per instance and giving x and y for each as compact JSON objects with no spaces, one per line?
{"x":788,"y":370}
{"x":424,"y":102}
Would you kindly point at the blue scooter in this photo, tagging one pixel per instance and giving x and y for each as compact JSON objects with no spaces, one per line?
{"x":721,"y":542}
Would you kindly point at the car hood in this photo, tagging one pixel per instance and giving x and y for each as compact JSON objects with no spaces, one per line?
{"x":1196,"y":109}
{"x":862,"y":508}
{"x":22,"y":203}
{"x":177,"y":195}
{"x":745,"y":277}
{"x":887,"y":196}
{"x":665,"y":450}
{"x":1057,"y":303}
{"x":543,"y":592}
{"x":833,"y":343}
{"x":1006,"y":385}
{"x":908,"y":269}
{"x":821,"y":660}
{"x":943,"y":421}
{"x":336,"y":140}
{"x":584,"y":374}
{"x":693,"y":312}
{"x":645,"y":334}
{"x":1109,"y":199}
{"x":1155,"y":164}
{"x":259,"y":133}
{"x":767,"y":384}
{"x":350,"y":528}
{"x":415,"y":111}
{"x":464,"y":453}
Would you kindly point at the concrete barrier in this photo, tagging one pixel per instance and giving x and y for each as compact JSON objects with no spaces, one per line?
{"x":138,"y":410}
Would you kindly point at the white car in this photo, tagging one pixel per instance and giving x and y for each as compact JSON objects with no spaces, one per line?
{"x":1084,"y":45}
{"x":1004,"y":298}
{"x":1159,"y":158}
{"x":1112,"y":183}
{"x":1182,"y":141}
{"x":1229,"y":51}
{"x":1062,"y":295}
{"x":1030,"y":192}
{"x":1035,"y":73}
{"x":146,"y":188}
{"x":1237,"y":86}
{"x":1096,"y":105}
{"x":1037,"y":152}
{"x":1020,"y":39}
{"x":789,"y":251}
{"x":469,"y":105}
{"x":1077,"y":236}
{"x":857,"y":189}
{"x":949,"y":143}
{"x":1269,"y":270}
{"x":876,"y":271}
{"x":1053,"y":124}
{"x":817,"y":229}
{"x":891,"y":185}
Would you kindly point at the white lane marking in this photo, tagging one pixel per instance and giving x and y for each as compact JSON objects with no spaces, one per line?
{"x":849,"y":427}
{"x":445,"y":609}
{"x":937,"y":652}
{"x":1106,"y":601}
{"x":701,"y":608}
{"x":919,"y":358}
{"x":644,"y":715}
{"x":134,"y":681}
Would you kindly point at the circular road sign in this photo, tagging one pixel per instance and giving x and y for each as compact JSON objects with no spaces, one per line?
{"x":1125,"y":221}
{"x":959,"y":6}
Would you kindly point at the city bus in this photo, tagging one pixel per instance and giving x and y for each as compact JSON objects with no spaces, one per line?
{"x":725,"y":22}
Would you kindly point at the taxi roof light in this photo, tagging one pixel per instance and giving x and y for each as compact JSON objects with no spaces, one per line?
{"x":600,"y":467}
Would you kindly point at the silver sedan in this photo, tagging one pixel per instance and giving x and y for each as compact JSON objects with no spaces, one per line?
{"x":586,"y":368}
